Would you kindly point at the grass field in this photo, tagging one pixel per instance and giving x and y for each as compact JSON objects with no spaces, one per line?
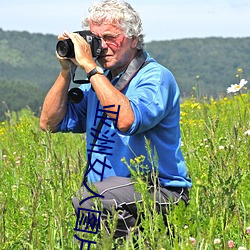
{"x":39,"y":172}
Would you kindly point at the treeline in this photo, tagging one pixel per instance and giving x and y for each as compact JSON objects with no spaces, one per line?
{"x":16,"y":95}
{"x":28,"y":67}
{"x":204,"y":67}
{"x":210,"y":64}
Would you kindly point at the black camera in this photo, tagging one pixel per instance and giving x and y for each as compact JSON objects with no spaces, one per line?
{"x":65,"y":48}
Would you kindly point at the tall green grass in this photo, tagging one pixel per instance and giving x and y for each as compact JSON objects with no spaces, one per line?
{"x":40,"y":172}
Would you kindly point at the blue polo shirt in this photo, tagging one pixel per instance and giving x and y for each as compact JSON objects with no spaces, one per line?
{"x":154,"y":97}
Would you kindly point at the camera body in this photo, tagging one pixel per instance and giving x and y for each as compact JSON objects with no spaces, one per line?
{"x":65,"y":48}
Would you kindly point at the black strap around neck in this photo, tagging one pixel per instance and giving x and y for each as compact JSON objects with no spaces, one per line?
{"x":136,"y":64}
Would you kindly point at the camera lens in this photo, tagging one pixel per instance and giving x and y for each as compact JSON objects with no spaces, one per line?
{"x":65,"y":48}
{"x":75,"y":95}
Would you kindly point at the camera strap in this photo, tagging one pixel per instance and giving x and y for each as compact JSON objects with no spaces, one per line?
{"x":136,"y":64}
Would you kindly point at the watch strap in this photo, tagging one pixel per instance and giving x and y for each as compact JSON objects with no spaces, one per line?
{"x":93,"y":72}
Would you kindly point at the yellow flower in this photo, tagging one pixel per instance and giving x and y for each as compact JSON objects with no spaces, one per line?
{"x":132,"y":162}
{"x":138,"y":159}
{"x":195,"y":105}
{"x":240,"y":70}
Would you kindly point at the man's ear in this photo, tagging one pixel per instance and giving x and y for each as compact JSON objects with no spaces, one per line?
{"x":134,"y":42}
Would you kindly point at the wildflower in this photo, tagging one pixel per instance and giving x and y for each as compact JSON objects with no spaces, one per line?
{"x":192,"y":240}
{"x":45,"y":216}
{"x":240,"y":70}
{"x":22,"y":210}
{"x":248,"y":230}
{"x":247,"y":133}
{"x":221,"y":147}
{"x":230,"y":244}
{"x":242,"y":248}
{"x":14,"y":188}
{"x":198,"y":182}
{"x":132,"y":162}
{"x":195,"y":106}
{"x":237,"y":87}
{"x":137,"y":159}
{"x":216,"y":241}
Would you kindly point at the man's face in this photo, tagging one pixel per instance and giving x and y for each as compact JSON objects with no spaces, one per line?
{"x":118,"y":50}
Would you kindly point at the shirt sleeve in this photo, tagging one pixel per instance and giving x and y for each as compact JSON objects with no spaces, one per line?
{"x":152,"y":98}
{"x":75,"y":117}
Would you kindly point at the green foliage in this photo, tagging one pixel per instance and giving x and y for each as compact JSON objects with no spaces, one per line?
{"x":37,"y":181}
{"x":218,"y":153}
{"x":28,"y":58}
{"x":40,"y":172}
{"x":28,"y":68}
{"x":14,"y":95}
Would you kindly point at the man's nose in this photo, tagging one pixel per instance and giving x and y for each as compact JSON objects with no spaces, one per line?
{"x":104,"y":44}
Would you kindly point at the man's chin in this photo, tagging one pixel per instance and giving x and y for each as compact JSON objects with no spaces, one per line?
{"x":104,"y":63}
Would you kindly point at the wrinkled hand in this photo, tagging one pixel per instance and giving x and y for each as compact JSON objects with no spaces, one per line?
{"x":66,"y":63}
{"x":83,"y":54}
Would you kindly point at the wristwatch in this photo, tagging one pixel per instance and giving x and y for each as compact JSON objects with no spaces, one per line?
{"x":96,"y":70}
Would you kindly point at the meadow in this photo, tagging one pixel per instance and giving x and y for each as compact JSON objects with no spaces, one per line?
{"x":40,"y":172}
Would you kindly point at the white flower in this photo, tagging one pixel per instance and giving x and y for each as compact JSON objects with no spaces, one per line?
{"x":246,"y":133}
{"x":242,"y":248}
{"x":192,"y":240}
{"x":217,"y":241}
{"x":22,"y":210}
{"x":237,"y":87}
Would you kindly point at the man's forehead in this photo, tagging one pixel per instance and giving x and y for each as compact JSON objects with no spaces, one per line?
{"x":104,"y":27}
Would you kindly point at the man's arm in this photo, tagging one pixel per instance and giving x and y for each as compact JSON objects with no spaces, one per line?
{"x":55,"y":103}
{"x":105,"y":91}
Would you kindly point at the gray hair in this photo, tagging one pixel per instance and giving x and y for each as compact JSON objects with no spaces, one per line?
{"x":120,"y":13}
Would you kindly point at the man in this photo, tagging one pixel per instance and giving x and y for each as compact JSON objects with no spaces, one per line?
{"x":141,"y":100}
